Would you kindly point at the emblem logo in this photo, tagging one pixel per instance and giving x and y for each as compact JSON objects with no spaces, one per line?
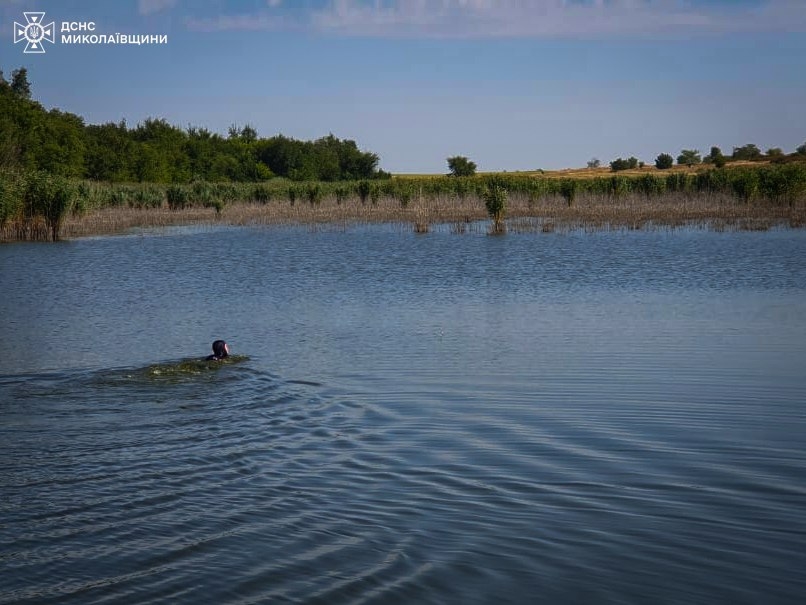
{"x":35,"y":32}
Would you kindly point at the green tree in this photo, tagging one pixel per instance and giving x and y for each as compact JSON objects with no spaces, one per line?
{"x":664,"y":161}
{"x":32,"y":138}
{"x":715,"y":157}
{"x":19,"y":83}
{"x":621,"y":164}
{"x":594,"y":163}
{"x":746,"y":152}
{"x":801,"y":150}
{"x":461,"y":166}
{"x":689,"y":157}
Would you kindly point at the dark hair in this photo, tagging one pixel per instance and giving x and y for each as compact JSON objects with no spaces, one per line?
{"x":219,"y":348}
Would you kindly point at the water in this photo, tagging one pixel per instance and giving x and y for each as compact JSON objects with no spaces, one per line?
{"x":615,"y":417}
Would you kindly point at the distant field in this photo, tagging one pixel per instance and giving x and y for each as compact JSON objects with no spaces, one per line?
{"x":590,"y":173}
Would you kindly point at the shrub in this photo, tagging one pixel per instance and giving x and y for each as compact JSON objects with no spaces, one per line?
{"x":619,"y":185}
{"x":745,"y":184}
{"x":178,"y":197}
{"x":664,"y":161}
{"x":621,"y":164}
{"x":374,"y":193}
{"x":363,"y":191}
{"x":313,"y":193}
{"x":261,"y":194}
{"x":650,"y":185}
{"x":11,"y":201}
{"x":568,"y":189}
{"x":495,"y":200}
{"x":50,"y":197}
{"x":341,"y":192}
{"x":147,"y":197}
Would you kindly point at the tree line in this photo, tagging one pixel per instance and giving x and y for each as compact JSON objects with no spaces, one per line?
{"x":692,"y":157}
{"x":60,"y":143}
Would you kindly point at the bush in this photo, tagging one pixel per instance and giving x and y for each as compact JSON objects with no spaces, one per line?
{"x":50,"y":197}
{"x":261,"y":194}
{"x":619,"y":185}
{"x":621,"y":164}
{"x":664,"y":161}
{"x":363,"y":191}
{"x":650,"y":185}
{"x":568,"y":189}
{"x":313,"y":193}
{"x":178,"y":197}
{"x":495,"y":200}
{"x":11,"y":200}
{"x":147,"y":197}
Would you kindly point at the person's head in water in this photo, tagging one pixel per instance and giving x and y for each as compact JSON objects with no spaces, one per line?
{"x":220,"y":350}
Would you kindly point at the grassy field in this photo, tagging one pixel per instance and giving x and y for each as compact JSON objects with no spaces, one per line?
{"x":591,"y":173}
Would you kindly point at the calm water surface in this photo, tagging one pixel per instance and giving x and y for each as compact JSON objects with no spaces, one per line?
{"x":616,"y":417}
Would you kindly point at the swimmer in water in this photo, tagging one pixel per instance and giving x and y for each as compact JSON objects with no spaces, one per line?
{"x":220,"y":351}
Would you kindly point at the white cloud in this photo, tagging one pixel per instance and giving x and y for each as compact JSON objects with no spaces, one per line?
{"x":521,"y":18}
{"x":148,"y":7}
{"x":243,"y":22}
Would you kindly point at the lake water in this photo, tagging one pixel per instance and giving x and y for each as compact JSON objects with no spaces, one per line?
{"x":610,"y":417}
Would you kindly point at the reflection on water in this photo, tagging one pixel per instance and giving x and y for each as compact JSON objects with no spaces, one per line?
{"x":601,"y":418}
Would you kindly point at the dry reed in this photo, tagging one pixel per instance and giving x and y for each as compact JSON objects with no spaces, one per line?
{"x":548,"y":214}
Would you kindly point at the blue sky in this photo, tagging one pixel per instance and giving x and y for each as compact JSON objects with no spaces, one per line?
{"x":512,"y":84}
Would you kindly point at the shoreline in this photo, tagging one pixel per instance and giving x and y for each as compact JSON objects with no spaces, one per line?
{"x":588,"y":212}
{"x":524,"y":213}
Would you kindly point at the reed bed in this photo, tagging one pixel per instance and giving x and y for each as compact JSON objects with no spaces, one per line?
{"x":524,"y":215}
{"x":755,"y":198}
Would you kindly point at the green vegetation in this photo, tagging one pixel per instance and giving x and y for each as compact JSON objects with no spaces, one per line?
{"x":459,"y":165}
{"x":622,"y":164}
{"x":715,"y":157}
{"x":689,"y":157}
{"x":664,"y":161}
{"x":57,"y":171}
{"x":747,"y":152}
{"x":35,"y":205}
{"x":154,"y":151}
{"x":495,"y":201}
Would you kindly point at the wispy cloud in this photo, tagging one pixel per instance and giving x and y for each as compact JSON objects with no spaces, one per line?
{"x":148,"y":7}
{"x":518,"y":18}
